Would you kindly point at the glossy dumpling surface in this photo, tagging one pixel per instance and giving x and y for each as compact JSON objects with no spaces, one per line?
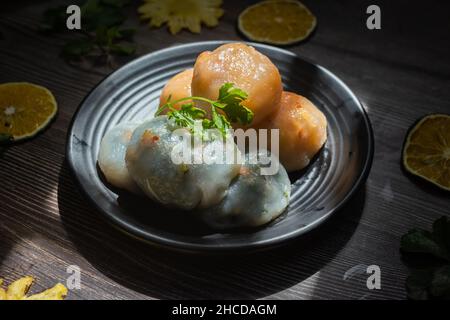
{"x":111,"y":158}
{"x":186,"y":186}
{"x":247,"y":69}
{"x":302,"y":130}
{"x":252,"y":199}
{"x":179,"y":86}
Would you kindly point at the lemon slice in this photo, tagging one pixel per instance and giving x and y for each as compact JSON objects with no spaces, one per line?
{"x":25,"y":109}
{"x":280,"y":22}
{"x":426,"y":152}
{"x":178,"y":14}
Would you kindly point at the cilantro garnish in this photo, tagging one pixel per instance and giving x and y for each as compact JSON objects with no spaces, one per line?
{"x":102,"y":34}
{"x":227,"y":109}
{"x":428,"y":256}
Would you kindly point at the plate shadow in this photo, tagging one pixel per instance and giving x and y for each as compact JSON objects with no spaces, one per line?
{"x":163,"y":274}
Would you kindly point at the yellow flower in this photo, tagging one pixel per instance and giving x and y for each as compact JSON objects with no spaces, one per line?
{"x":18,"y":291}
{"x":178,"y":14}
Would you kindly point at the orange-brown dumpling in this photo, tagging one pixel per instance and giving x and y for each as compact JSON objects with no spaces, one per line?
{"x":247,"y":69}
{"x":303,"y":130}
{"x":178,"y":87}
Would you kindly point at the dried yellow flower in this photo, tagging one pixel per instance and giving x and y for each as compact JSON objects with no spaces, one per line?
{"x":19,"y":288}
{"x":177,"y":14}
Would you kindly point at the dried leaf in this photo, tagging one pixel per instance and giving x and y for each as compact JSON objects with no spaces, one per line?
{"x":178,"y":15}
{"x":58,"y":292}
{"x":19,"y":288}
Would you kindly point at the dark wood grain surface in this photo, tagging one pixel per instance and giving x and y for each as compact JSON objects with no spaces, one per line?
{"x":400,"y":73}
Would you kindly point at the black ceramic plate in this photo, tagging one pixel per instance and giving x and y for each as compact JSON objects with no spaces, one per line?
{"x":132,"y":93}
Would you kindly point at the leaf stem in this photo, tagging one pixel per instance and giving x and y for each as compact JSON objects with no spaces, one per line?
{"x":168,"y":104}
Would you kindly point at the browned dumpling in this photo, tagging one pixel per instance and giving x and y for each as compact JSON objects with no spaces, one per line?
{"x":179,"y":86}
{"x":303,"y":130}
{"x":247,"y":69}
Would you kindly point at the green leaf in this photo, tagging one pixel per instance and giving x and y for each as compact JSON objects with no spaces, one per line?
{"x":194,"y":112}
{"x":77,"y":48}
{"x":432,"y":280}
{"x":182,"y":117}
{"x":421,"y":241}
{"x":219,"y":122}
{"x":126,"y":33}
{"x":123,"y":49}
{"x":230,"y":101}
{"x":441,"y":232}
{"x":440,"y":284}
{"x":417,"y":284}
{"x":223,"y":111}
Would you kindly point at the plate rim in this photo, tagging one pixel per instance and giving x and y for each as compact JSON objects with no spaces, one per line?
{"x":177,"y":245}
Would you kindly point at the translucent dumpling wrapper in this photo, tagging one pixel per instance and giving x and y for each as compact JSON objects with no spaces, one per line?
{"x":111,"y":157}
{"x":253,"y":199}
{"x":150,"y":162}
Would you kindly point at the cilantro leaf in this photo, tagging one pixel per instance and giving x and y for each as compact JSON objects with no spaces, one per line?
{"x":440,"y":284}
{"x":102,"y":33}
{"x":417,"y":284}
{"x":224,"y":111}
{"x":441,"y":233}
{"x":74,"y":49}
{"x":123,"y":49}
{"x":230,"y":101}
{"x":219,"y":122}
{"x":431,"y":278}
{"x":421,"y":241}
{"x":186,"y":116}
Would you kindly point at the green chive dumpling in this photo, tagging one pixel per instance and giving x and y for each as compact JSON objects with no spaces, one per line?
{"x":252,"y":199}
{"x":185,"y":185}
{"x":111,"y":157}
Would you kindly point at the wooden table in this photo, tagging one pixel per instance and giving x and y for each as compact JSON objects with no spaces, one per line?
{"x":400,"y":73}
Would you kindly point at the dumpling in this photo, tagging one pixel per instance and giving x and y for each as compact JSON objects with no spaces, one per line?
{"x":179,"y":86}
{"x":247,"y":69}
{"x":252,"y":199}
{"x":303,"y":130}
{"x":111,"y":158}
{"x":184,"y":185}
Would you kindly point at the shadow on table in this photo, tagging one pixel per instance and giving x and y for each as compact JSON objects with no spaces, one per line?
{"x":168,"y":275}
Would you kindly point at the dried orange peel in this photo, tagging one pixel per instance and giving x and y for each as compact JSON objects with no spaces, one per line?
{"x":426,"y":152}
{"x":25,"y":110}
{"x":279,"y":22}
{"x":18,"y":291}
{"x":189,"y":14}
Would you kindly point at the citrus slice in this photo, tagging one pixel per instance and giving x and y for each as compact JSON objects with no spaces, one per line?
{"x":279,"y":22}
{"x":426,"y":152}
{"x":25,"y":109}
{"x":181,"y":14}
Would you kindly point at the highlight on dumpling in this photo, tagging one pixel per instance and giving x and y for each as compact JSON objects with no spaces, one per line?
{"x":203,"y":150}
{"x":247,"y":69}
{"x":179,"y":86}
{"x":111,"y":157}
